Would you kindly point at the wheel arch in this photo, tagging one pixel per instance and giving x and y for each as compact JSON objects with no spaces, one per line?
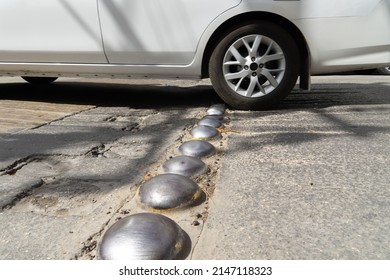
{"x":251,"y":17}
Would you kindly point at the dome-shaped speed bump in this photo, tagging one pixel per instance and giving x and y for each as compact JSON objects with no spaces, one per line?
{"x":144,"y":236}
{"x":169,"y":191}
{"x":197,"y":148}
{"x":205,"y":132}
{"x":185,"y":165}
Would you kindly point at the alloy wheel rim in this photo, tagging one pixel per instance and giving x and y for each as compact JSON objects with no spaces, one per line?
{"x":254,"y":66}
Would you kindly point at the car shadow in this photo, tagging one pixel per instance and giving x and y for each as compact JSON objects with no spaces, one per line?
{"x":157,"y":94}
{"x":111,"y":94}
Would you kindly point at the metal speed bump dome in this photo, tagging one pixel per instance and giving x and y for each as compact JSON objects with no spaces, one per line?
{"x":210,"y":121}
{"x":144,"y":236}
{"x":205,"y":132}
{"x":169,"y":191}
{"x":197,"y":148}
{"x":217,"y":109}
{"x":185,"y":165}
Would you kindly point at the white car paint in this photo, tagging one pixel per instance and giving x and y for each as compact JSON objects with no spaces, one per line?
{"x":349,"y":40}
{"x":156,"y":32}
{"x":168,"y":38}
{"x":50,"y":31}
{"x":342,"y":35}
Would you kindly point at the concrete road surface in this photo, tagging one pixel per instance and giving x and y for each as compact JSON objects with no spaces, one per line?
{"x":307,"y":180}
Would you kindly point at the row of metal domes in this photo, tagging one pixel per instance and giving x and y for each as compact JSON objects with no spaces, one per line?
{"x":152,"y":236}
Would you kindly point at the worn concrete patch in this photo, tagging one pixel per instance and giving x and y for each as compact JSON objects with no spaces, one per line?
{"x":308,"y":184}
{"x":73,"y":177}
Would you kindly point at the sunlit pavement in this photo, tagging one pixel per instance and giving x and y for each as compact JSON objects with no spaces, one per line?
{"x":308,"y":180}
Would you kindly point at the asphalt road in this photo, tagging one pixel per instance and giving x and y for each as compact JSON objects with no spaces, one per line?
{"x":307,"y":180}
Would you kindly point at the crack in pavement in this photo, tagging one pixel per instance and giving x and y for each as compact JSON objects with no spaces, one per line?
{"x":86,"y":187}
{"x":192,"y":219}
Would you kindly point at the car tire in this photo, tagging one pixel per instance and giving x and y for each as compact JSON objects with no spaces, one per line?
{"x":384,"y":70}
{"x":254,"y":66}
{"x":39,"y":80}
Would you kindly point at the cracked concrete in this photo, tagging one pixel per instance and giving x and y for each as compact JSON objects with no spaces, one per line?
{"x":62,"y":184}
{"x":306,"y":181}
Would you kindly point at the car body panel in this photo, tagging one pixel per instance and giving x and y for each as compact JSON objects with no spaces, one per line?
{"x":314,"y":9}
{"x":359,"y":39}
{"x":341,"y":34}
{"x":156,"y":32}
{"x":50,"y":31}
{"x":169,"y":38}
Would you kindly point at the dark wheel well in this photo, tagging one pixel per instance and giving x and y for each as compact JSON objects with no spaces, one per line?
{"x":39,"y":80}
{"x":384,"y":70}
{"x":253,"y":17}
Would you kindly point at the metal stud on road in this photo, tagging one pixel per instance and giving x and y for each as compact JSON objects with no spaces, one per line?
{"x":204,"y":132}
{"x":218,"y":117}
{"x":217,"y":109}
{"x":145,"y":236}
{"x":169,"y":191}
{"x":197,"y":148}
{"x":210,"y":121}
{"x":151,"y":236}
{"x":185,"y":165}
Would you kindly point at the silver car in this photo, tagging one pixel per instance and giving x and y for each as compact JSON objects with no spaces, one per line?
{"x":252,"y":50}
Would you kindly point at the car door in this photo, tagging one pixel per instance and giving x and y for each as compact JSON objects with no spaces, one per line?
{"x":156,"y":31}
{"x":50,"y":31}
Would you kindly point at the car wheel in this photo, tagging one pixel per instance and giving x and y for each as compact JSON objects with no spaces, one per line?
{"x":254,"y":66}
{"x":384,"y":70}
{"x":39,"y":80}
